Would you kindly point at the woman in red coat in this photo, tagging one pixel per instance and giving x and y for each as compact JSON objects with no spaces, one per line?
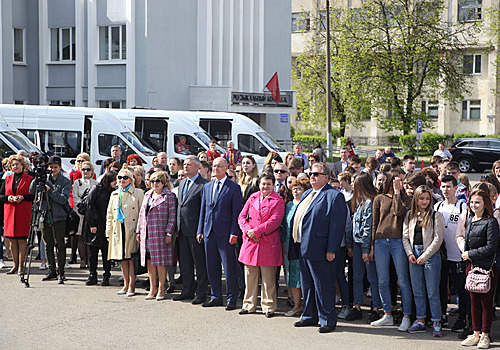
{"x":17,"y":210}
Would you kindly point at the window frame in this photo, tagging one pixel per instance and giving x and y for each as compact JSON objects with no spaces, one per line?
{"x":123,"y":104}
{"x":476,"y":11}
{"x":23,"y":37}
{"x":122,"y":47}
{"x":300,"y":22}
{"x":474,"y":64}
{"x":60,"y":49}
{"x":468,"y":106}
{"x":426,"y":107}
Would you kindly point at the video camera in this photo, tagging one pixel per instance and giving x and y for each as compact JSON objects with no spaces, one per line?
{"x":41,"y":171}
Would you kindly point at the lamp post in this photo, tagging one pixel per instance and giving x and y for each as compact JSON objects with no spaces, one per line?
{"x":328,"y":84}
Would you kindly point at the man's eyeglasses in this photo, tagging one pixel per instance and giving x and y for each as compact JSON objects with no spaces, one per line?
{"x":280,"y":171}
{"x":316,"y":173}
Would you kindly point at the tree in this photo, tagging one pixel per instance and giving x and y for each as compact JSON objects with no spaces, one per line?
{"x":396,"y":53}
{"x":387,"y":56}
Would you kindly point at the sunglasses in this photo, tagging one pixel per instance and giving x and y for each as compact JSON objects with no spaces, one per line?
{"x":157,"y":181}
{"x":79,"y":160}
{"x":230,"y":176}
{"x":125,"y":177}
{"x":316,"y":174}
{"x":280,"y":171}
{"x":86,"y":169}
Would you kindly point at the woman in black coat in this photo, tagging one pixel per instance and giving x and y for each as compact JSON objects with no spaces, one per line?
{"x":94,"y":232}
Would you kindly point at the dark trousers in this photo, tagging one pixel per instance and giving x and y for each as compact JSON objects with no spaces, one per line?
{"x":482,"y":306}
{"x":318,"y":289}
{"x":53,"y":239}
{"x":93,"y":257}
{"x":191,"y":255}
{"x":455,"y":271}
{"x":217,"y":250}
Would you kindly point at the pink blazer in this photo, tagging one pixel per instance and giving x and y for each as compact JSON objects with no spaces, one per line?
{"x":265,"y":219}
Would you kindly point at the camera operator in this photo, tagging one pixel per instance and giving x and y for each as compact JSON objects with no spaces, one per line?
{"x":57,"y":189}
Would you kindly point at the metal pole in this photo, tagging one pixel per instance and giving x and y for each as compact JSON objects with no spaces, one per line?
{"x":328,"y":84}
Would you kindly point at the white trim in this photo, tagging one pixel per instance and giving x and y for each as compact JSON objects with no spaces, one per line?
{"x":221,"y":42}
{"x":261,"y":45}
{"x":43,"y":51}
{"x":231,"y":43}
{"x":209,"y":48}
{"x":23,"y":31}
{"x":80,"y":47}
{"x":92,"y":52}
{"x":240,"y":86}
{"x":130,"y":52}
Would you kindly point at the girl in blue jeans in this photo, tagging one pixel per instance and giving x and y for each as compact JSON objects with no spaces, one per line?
{"x":423,"y":231}
{"x":359,"y":244}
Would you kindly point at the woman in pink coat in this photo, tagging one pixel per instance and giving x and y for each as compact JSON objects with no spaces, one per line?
{"x":260,"y":222}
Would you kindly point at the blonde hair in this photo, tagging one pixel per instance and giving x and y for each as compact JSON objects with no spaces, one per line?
{"x":88,"y":163}
{"x":427,"y":217}
{"x":163,"y":176}
{"x":19,"y":158}
{"x":84,"y":156}
{"x":129,"y":173}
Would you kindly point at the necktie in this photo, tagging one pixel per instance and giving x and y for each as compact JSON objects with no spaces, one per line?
{"x":185,"y":189}
{"x":300,"y":214}
{"x":216,"y":194}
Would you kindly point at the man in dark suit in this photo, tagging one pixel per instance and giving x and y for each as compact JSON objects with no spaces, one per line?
{"x":340,"y":166}
{"x":319,"y":225}
{"x":218,"y":225}
{"x":191,"y":252}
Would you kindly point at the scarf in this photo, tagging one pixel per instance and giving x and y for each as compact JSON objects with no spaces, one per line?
{"x":120,"y":216}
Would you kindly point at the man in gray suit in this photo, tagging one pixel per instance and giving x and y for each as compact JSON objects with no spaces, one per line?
{"x":191,"y":253}
{"x":340,"y":166}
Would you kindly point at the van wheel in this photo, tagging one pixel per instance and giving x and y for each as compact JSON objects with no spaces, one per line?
{"x":465,"y":165}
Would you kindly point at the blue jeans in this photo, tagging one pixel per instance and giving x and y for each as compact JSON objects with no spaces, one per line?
{"x":341,"y":280}
{"x":385,"y":249}
{"x":425,"y":280}
{"x":359,"y":267}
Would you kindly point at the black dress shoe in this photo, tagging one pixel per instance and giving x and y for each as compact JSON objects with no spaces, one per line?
{"x":306,"y":323}
{"x":50,"y":276}
{"x":244,"y":312}
{"x":105,"y":281}
{"x":231,"y":305}
{"x":270,"y":314}
{"x":170,"y":289}
{"x":91,"y":281}
{"x":182,"y":297}
{"x":61,"y":279}
{"x":326,"y":329}
{"x":212,"y":302}
{"x":198,"y":300}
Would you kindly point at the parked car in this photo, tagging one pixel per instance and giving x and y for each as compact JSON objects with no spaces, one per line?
{"x":475,"y":153}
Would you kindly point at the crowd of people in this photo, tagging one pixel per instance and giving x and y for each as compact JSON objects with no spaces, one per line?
{"x":340,"y":234}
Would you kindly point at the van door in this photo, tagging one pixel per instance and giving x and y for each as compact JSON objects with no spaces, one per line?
{"x":250,"y":144}
{"x":154,"y":131}
{"x":221,"y":130}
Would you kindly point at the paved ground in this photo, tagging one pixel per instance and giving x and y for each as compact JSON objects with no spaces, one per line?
{"x":74,"y":316}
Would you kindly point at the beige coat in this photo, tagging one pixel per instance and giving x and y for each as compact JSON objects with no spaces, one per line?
{"x":131,"y":205}
{"x":431,"y":235}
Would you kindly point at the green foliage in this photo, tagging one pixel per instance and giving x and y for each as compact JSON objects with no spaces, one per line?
{"x":460,"y":135}
{"x":343,"y":141}
{"x":409,"y":143}
{"x":292,"y":132}
{"x":309,"y":138}
{"x":431,"y":140}
{"x":393,"y":140}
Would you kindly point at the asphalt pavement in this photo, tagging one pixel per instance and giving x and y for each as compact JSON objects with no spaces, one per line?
{"x":75,"y":316}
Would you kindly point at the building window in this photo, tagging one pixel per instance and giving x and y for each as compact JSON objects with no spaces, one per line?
{"x":61,"y":103}
{"x":19,"y":102}
{"x":469,"y":10}
{"x":430,"y":108}
{"x":62,"y":44}
{"x":19,"y":45}
{"x":471,"y":110}
{"x":112,"y":104}
{"x":300,"y":22}
{"x":472,"y":64}
{"x":113,"y":43}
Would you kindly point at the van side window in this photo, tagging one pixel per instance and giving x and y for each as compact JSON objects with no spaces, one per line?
{"x":66,"y":144}
{"x":4,"y":148}
{"x":108,"y":140}
{"x":249,"y":143}
{"x":218,"y":129}
{"x":190,"y":146}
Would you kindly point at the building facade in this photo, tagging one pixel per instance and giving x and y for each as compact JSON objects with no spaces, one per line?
{"x":211,"y":55}
{"x":479,"y":112}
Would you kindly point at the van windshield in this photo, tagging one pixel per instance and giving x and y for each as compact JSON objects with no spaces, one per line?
{"x":20,"y":141}
{"x":205,"y":139}
{"x":271,"y":142}
{"x":139,"y":144}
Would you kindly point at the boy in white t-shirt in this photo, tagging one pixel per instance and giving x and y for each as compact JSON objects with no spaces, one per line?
{"x":454,"y":266}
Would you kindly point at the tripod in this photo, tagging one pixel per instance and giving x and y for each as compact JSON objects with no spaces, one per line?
{"x":37,"y":215}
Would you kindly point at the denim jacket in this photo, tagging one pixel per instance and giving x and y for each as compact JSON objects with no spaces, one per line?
{"x":362,"y":227}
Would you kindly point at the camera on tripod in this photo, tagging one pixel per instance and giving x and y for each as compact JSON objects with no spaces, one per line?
{"x":41,"y":171}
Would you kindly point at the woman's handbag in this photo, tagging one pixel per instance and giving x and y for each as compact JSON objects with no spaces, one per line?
{"x":72,"y":221}
{"x":479,"y":280}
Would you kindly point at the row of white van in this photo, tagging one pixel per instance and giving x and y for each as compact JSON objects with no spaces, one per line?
{"x":67,"y":131}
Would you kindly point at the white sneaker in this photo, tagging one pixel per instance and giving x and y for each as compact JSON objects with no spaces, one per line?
{"x":2,"y":264}
{"x":384,"y":321}
{"x":43,"y":266}
{"x":67,"y":266}
{"x":405,"y":324}
{"x":484,"y":342}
